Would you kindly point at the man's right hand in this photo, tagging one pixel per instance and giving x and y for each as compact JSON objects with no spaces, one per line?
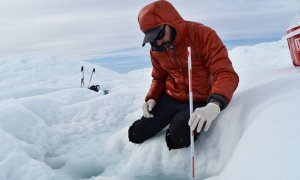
{"x":148,"y":106}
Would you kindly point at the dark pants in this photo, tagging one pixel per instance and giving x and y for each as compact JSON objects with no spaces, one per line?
{"x":166,"y":112}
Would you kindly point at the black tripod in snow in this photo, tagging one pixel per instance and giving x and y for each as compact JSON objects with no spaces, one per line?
{"x":93,"y":87}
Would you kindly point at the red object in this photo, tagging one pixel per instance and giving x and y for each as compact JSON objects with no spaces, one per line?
{"x":213,"y":72}
{"x":293,"y":39}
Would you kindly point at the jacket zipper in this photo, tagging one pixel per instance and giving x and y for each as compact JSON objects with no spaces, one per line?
{"x":173,"y":58}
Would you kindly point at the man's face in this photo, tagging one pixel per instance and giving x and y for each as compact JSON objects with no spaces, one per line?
{"x":165,"y":41}
{"x":162,"y":41}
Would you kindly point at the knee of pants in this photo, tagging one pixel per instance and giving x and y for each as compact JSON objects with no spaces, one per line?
{"x":138,"y":133}
{"x":179,"y":132}
{"x":177,"y":140}
{"x":174,"y":145}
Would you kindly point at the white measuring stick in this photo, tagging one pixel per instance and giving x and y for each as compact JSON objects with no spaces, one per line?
{"x":191,"y":111}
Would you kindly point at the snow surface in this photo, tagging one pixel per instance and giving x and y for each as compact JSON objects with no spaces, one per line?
{"x":51,"y":129}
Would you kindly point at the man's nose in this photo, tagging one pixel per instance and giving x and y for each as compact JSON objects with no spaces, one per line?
{"x":159,"y":42}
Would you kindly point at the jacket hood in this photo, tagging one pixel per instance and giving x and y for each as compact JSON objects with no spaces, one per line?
{"x":158,"y":13}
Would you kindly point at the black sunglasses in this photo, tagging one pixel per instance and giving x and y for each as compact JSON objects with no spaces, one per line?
{"x":161,"y":34}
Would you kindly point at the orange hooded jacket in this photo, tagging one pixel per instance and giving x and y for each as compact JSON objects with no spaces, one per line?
{"x":213,"y":77}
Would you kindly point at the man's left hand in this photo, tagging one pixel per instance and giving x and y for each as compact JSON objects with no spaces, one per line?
{"x":204,"y":114}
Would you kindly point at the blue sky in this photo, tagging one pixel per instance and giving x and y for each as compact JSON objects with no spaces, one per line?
{"x":93,"y":29}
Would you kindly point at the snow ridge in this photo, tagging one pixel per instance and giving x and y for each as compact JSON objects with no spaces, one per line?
{"x":51,"y":129}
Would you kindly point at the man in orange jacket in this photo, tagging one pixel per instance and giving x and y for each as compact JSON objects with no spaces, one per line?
{"x":213,"y":77}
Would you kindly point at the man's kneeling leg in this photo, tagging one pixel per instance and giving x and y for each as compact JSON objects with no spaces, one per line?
{"x":178,"y":135}
{"x":138,"y":132}
{"x":175,"y":144}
